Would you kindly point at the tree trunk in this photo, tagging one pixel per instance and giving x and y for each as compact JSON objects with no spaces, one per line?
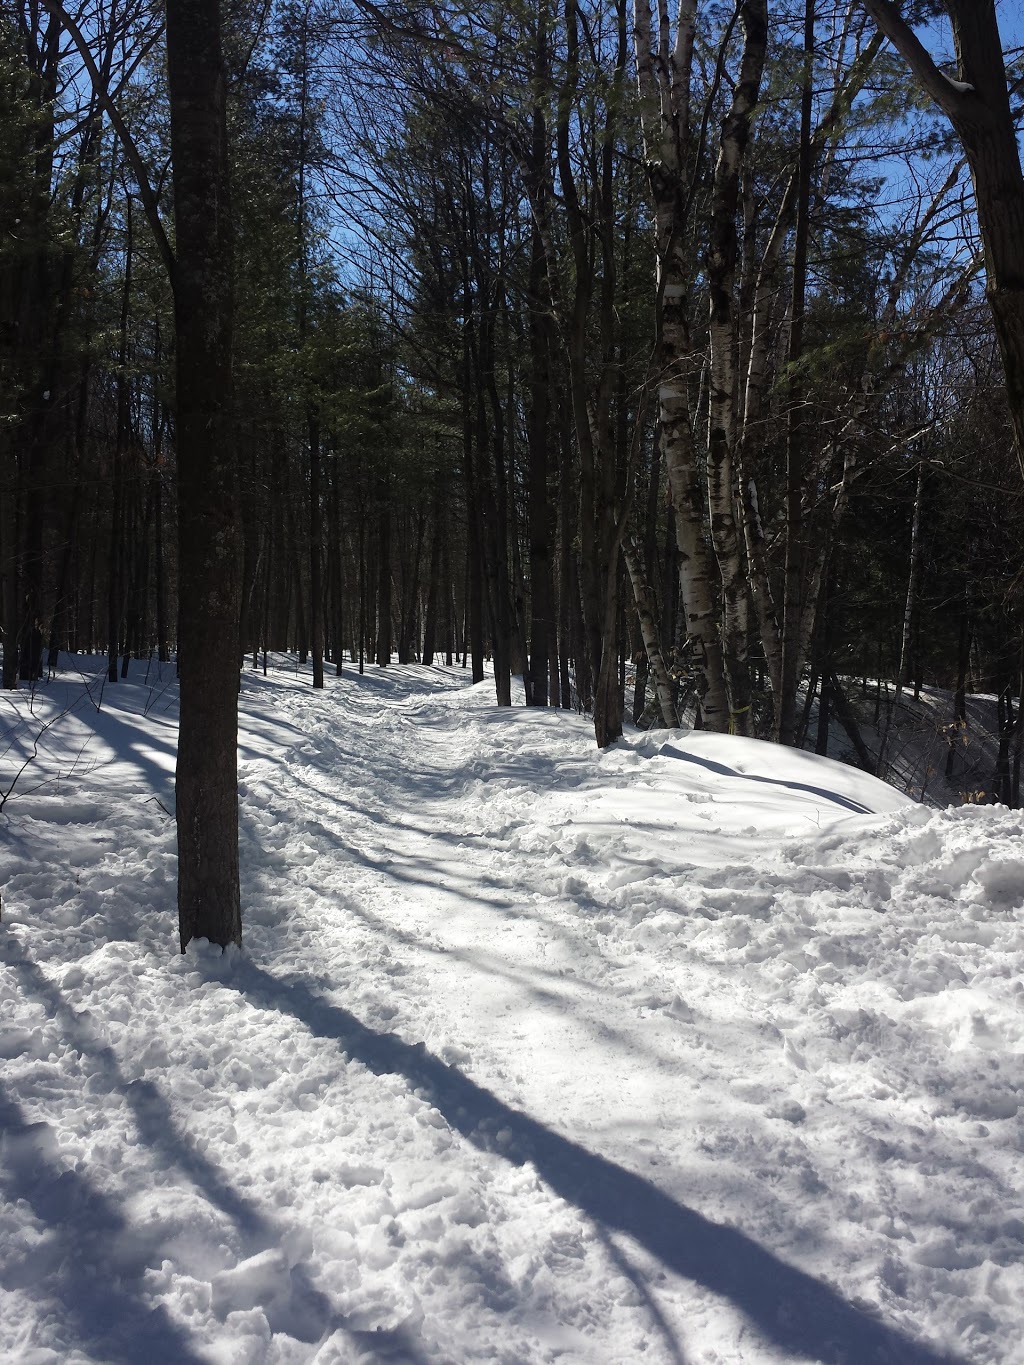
{"x":541,"y":613}
{"x":474,"y":557}
{"x":664,"y":85}
{"x":316,"y":552}
{"x":977,"y":105}
{"x":209,"y":904}
{"x":116,"y":555}
{"x":362,"y":592}
{"x":337,"y":574}
{"x":646,"y":612}
{"x":795,"y":594}
{"x":434,"y":589}
{"x":724,"y":395}
{"x":847,"y":719}
{"x":958,"y":730}
{"x":910,"y":602}
{"x":382,"y":648}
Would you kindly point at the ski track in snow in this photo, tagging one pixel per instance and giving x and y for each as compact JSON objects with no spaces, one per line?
{"x":693,"y":1051}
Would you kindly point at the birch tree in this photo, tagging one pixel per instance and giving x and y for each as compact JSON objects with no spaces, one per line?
{"x":664,"y":74}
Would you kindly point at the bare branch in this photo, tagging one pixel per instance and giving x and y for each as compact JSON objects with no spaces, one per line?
{"x":131,"y":151}
{"x":949,"y":95}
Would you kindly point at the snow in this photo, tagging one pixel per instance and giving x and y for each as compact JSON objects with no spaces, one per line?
{"x":697,"y":1050}
{"x":961,"y":87}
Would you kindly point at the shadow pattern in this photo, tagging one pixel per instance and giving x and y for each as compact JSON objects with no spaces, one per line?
{"x":723,"y":770}
{"x":107,"y":1315}
{"x":791,"y":1309}
{"x":90,"y":1266}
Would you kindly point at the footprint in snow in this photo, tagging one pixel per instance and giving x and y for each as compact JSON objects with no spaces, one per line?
{"x":789,"y":1110}
{"x":792,"y":1054}
{"x":675,"y":1008}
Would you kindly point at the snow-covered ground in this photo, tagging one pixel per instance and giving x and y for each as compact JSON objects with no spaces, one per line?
{"x":692,"y":1051}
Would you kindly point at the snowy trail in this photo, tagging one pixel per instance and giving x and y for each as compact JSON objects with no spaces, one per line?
{"x":692,"y":1051}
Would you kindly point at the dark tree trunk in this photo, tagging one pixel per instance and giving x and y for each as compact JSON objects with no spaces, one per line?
{"x":116,"y":555}
{"x":474,"y":562}
{"x":278,"y":552}
{"x":337,"y":575}
{"x":794,"y":604}
{"x":541,"y":614}
{"x":316,"y":602}
{"x":301,"y":636}
{"x":408,"y":623}
{"x":824,"y":634}
{"x":449,"y":615}
{"x":383,"y":643}
{"x":362,"y":594}
{"x":958,"y":732}
{"x":977,"y":105}
{"x":1018,"y":738}
{"x":434,"y":589}
{"x":847,"y":719}
{"x":10,"y":594}
{"x":163,"y":652}
{"x":824,"y":707}
{"x":568,"y":593}
{"x":1006,"y":726}
{"x":209,"y":539}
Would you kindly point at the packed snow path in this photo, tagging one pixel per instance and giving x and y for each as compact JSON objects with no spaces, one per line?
{"x":693,"y":1051}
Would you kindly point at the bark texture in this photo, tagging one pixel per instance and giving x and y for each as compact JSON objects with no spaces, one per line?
{"x":663,"y":75}
{"x":724,"y":397}
{"x":209,"y":530}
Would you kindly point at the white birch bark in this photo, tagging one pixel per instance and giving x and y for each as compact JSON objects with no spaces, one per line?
{"x":663,"y":76}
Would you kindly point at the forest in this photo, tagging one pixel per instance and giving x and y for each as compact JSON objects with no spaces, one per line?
{"x":520,"y":503}
{"x":670,"y":357}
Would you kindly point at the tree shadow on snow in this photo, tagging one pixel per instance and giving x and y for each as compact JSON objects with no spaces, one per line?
{"x":73,"y":1259}
{"x":94,"y":1254}
{"x":794,"y":1311}
{"x":723,"y":770}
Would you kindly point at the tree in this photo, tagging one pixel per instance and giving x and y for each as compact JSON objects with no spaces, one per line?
{"x":977,"y":105}
{"x":209,"y":540}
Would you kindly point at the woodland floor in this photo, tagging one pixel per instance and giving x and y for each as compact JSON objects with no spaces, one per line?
{"x":692,"y":1051}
